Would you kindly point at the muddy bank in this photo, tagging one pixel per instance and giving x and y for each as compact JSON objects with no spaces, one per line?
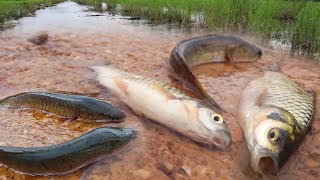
{"x":61,"y":64}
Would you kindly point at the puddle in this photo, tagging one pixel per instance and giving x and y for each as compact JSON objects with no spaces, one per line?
{"x":77,"y":41}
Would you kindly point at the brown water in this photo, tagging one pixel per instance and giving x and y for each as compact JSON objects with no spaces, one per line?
{"x":77,"y":41}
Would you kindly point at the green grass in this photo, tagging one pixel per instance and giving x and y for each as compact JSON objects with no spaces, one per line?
{"x":13,"y":9}
{"x":296,"y":22}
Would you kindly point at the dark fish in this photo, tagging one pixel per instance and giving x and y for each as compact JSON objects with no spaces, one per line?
{"x":66,"y":157}
{"x":207,"y":49}
{"x":67,"y":105}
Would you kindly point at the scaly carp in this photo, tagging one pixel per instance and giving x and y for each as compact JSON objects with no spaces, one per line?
{"x":166,"y":105}
{"x":67,"y":105}
{"x":208,"y":49}
{"x":66,"y":157}
{"x":275,"y":114}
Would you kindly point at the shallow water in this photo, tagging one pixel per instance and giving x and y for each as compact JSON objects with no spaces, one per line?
{"x":77,"y":41}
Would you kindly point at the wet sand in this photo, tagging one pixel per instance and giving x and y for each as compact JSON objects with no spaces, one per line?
{"x":77,"y":41}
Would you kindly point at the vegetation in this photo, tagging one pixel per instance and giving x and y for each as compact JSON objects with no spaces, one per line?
{"x":295,"y":22}
{"x":13,"y":9}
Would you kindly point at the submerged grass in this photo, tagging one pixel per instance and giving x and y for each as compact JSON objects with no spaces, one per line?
{"x":296,"y":22}
{"x":13,"y":9}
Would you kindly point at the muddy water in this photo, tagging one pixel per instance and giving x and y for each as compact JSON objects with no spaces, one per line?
{"x":77,"y":41}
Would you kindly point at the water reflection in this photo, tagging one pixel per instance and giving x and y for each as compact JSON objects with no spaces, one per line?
{"x":77,"y":41}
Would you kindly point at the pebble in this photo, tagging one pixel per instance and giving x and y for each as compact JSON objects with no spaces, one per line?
{"x":39,"y":39}
{"x":143,"y":174}
{"x":186,"y":170}
{"x":315,"y":154}
{"x":165,"y":167}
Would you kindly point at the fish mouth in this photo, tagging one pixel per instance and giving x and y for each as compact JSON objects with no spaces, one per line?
{"x":268,"y":165}
{"x":131,"y":133}
{"x":222,"y":140}
{"x":265,"y":164}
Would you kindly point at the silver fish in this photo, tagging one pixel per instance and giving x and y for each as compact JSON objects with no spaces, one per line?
{"x":166,"y":105}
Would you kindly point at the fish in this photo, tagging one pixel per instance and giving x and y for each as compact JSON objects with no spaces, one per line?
{"x":67,"y":157}
{"x":208,"y":49}
{"x":166,"y":105}
{"x":275,"y":114}
{"x":67,"y":105}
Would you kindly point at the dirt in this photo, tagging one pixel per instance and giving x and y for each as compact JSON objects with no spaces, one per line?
{"x":62,"y":64}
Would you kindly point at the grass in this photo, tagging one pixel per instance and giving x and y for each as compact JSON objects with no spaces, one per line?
{"x":295,"y":22}
{"x":13,"y":9}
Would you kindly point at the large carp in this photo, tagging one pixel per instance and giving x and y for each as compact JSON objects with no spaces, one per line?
{"x":275,"y":114}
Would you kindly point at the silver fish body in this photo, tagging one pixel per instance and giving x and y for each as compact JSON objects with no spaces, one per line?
{"x":275,"y":114}
{"x":166,"y":105}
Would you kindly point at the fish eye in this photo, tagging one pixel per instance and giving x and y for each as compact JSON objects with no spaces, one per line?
{"x":274,"y":135}
{"x":216,"y":117}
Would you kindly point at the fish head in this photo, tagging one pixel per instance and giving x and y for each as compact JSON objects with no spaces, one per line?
{"x":118,"y":136}
{"x":273,"y":139}
{"x":216,"y":130}
{"x":245,"y":52}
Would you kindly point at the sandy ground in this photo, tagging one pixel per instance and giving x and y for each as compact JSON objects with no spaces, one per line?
{"x":158,"y":153}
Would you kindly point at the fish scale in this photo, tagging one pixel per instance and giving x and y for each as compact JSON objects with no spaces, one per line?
{"x":286,"y":94}
{"x":148,"y":82}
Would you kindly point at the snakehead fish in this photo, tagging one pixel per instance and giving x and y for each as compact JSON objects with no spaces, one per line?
{"x":207,"y":49}
{"x":166,"y":105}
{"x":66,"y":157}
{"x":275,"y":114}
{"x":67,"y":105}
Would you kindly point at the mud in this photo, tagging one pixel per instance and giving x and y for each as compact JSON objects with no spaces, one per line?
{"x":77,"y":41}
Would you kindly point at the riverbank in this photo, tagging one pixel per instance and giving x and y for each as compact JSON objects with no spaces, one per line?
{"x":296,"y":24}
{"x":19,"y":8}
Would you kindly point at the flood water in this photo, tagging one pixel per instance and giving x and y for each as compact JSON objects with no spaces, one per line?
{"x":77,"y":41}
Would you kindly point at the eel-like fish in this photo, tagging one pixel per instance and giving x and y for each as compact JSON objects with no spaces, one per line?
{"x":66,"y":157}
{"x":207,"y":49}
{"x":275,"y":114}
{"x":67,"y":105}
{"x":166,"y":105}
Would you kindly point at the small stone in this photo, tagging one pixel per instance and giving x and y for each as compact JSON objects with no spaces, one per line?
{"x":313,"y":173}
{"x":186,"y":170}
{"x":165,"y":167}
{"x":39,"y":39}
{"x":142,"y":174}
{"x":315,"y":154}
